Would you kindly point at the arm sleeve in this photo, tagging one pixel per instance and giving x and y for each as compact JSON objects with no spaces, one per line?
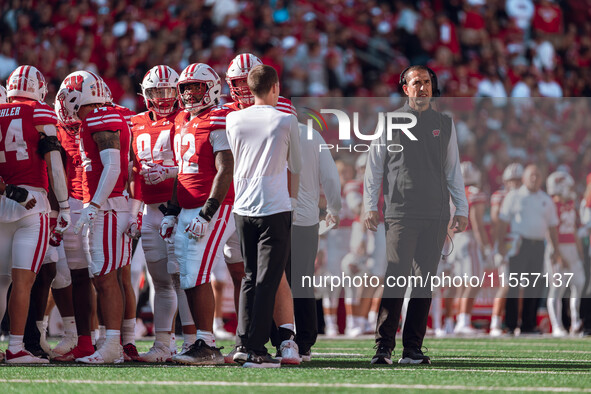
{"x":294,"y":156}
{"x":329,"y":179}
{"x":60,"y":189}
{"x":453,"y":174}
{"x":110,"y":158}
{"x":219,"y":140}
{"x":374,"y":173}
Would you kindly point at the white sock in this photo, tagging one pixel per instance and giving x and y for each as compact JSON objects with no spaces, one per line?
{"x":189,"y":338}
{"x":330,"y":320}
{"x":70,"y":326}
{"x":350,"y":322}
{"x":461,"y":318}
{"x":112,"y":338}
{"x":467,"y":319}
{"x":94,"y":336}
{"x":218,"y":323}
{"x":288,"y":326}
{"x":372,"y":317}
{"x":207,"y":336}
{"x":102,"y":332}
{"x":15,"y":343}
{"x":128,"y":331}
{"x":495,"y":322}
{"x":163,"y":338}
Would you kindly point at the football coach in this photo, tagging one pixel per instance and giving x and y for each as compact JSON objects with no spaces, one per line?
{"x":417,"y":183}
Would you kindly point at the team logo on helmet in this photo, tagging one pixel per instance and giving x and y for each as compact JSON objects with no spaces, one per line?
{"x":74,"y":83}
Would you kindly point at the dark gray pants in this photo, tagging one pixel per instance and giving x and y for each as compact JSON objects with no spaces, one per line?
{"x":529,"y":260}
{"x":412,"y":245}
{"x":304,"y":243}
{"x":264,"y":242}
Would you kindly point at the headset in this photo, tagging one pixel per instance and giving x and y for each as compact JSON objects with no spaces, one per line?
{"x":435,"y":87}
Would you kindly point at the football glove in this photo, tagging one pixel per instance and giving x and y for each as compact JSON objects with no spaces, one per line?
{"x":63,"y":218}
{"x":87,"y":216}
{"x":134,"y":225}
{"x":197,"y":228}
{"x":167,"y":227}
{"x":156,"y":173}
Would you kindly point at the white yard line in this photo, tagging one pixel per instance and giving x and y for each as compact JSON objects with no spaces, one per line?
{"x":434,"y":368}
{"x":294,"y":384}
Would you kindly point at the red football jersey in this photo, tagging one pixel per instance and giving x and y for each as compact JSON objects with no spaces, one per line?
{"x":474,"y":197}
{"x":152,"y":142}
{"x":125,"y":112}
{"x":283,"y":105}
{"x":195,"y":157}
{"x":71,"y":144}
{"x":20,"y":164}
{"x":567,"y":222}
{"x":102,"y":119}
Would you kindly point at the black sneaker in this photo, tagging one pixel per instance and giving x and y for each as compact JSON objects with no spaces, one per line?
{"x":264,"y":361}
{"x":306,"y":356}
{"x":414,"y":356}
{"x":237,"y":355}
{"x":200,"y":354}
{"x":383,"y":355}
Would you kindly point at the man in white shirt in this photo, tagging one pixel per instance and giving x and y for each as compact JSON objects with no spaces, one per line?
{"x":318,"y":169}
{"x":265,"y":143}
{"x":532,"y":215}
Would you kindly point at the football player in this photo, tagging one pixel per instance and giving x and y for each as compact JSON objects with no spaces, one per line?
{"x":471,"y":246}
{"x":202,"y":200}
{"x":511,"y":180}
{"x":132,"y":231}
{"x":104,"y":150}
{"x":75,"y":245}
{"x":29,"y":151}
{"x":559,"y":186}
{"x":154,"y":172}
{"x":283,"y":314}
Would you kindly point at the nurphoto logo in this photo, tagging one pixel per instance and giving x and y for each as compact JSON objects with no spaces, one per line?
{"x":388,"y":122}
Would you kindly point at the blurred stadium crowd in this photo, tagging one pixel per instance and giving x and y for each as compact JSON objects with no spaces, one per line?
{"x":494,"y":48}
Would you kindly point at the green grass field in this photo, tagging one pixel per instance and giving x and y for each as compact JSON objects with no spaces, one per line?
{"x":459,"y":364}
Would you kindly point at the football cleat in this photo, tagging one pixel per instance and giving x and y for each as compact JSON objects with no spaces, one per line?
{"x":383,"y":355}
{"x":68,"y":342}
{"x":289,"y":353}
{"x":200,"y":354}
{"x":158,"y":353}
{"x":109,"y":357}
{"x":130,"y":353}
{"x":465,"y":330}
{"x":266,"y":361}
{"x":24,"y":357}
{"x":495,"y":332}
{"x":73,"y":354}
{"x":331,"y":331}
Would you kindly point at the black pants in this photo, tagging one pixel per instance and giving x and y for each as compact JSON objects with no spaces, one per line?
{"x":412,"y":245}
{"x":528,"y":260}
{"x":304,"y":243}
{"x":264,"y":242}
